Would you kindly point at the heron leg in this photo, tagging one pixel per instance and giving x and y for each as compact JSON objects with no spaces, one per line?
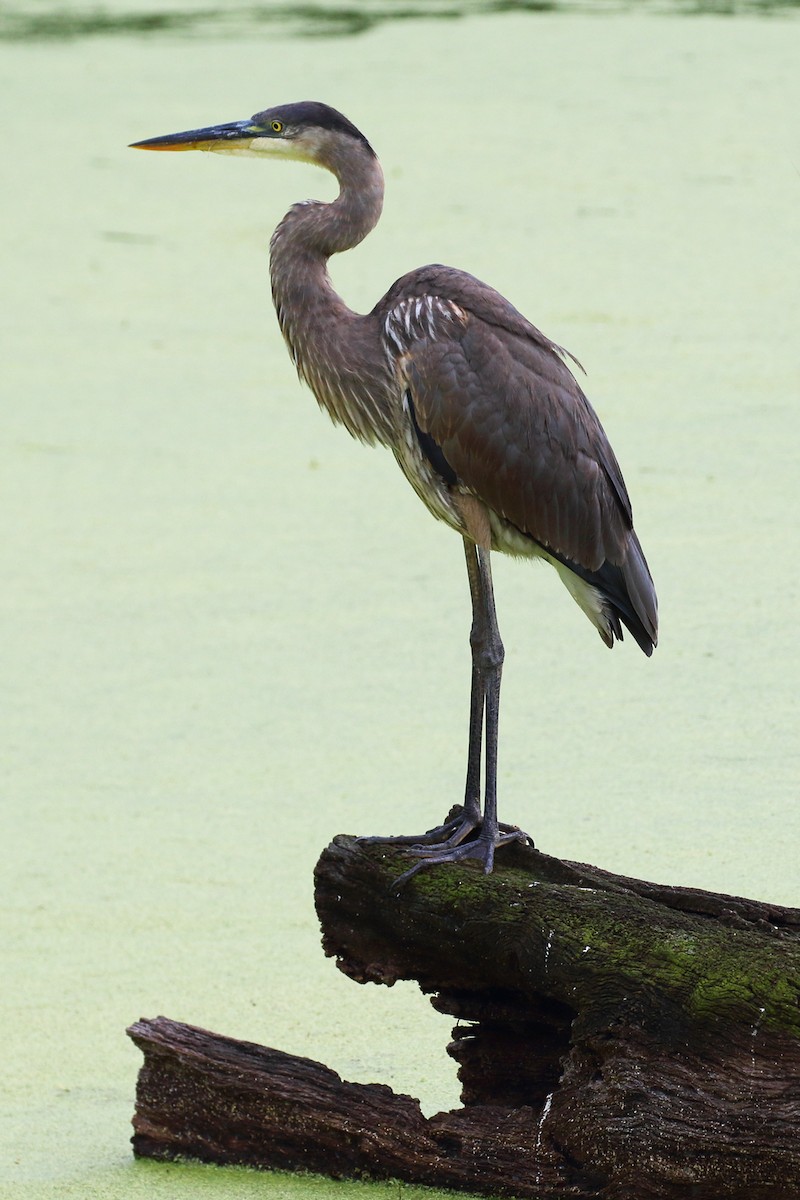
{"x":456,"y":830}
{"x":487,"y":668}
{"x":477,"y":700}
{"x":449,"y":842}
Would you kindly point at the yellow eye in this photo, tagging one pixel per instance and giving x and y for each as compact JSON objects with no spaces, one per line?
{"x":277,"y":126}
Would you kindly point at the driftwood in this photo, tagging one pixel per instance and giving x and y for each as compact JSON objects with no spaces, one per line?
{"x":616,"y":1039}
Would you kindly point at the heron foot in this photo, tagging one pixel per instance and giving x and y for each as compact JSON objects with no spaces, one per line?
{"x":481,"y":848}
{"x":450,"y":833}
{"x":452,"y":841}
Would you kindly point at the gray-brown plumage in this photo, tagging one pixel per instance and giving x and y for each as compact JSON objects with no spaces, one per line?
{"x":480,"y":409}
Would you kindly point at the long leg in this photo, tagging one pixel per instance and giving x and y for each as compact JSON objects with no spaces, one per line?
{"x":477,"y":702}
{"x":487,"y":669}
{"x":448,"y":842}
{"x":488,"y":654}
{"x":453,"y":832}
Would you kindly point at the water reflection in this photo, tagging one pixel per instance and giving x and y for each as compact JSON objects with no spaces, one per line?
{"x":324,"y":19}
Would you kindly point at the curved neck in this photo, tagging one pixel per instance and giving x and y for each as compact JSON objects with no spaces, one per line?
{"x":312,"y":231}
{"x":328,"y":342}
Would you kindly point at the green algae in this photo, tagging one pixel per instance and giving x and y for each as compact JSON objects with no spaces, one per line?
{"x":610,"y":944}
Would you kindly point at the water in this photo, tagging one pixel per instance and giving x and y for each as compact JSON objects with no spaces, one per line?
{"x":230,"y":632}
{"x":326,"y":18}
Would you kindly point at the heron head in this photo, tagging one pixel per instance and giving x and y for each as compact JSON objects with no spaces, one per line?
{"x":308,"y":132}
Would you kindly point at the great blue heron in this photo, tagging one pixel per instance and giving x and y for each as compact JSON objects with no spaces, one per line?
{"x":484,"y":417}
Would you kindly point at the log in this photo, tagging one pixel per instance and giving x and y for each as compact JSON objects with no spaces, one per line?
{"x":615,"y":1038}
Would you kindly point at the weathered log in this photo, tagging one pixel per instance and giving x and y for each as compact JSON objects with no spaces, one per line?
{"x":208,"y":1097}
{"x":616,"y":1039}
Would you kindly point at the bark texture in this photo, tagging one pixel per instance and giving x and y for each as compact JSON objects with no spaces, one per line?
{"x":615,"y":1039}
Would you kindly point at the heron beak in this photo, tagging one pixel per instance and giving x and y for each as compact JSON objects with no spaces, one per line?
{"x":221,"y":138}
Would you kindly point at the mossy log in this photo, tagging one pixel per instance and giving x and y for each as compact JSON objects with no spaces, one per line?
{"x":615,"y":1039}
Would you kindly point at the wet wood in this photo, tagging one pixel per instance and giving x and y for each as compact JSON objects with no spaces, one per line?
{"x":615,"y":1039}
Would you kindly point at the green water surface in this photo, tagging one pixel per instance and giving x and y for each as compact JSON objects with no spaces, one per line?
{"x":229,"y":632}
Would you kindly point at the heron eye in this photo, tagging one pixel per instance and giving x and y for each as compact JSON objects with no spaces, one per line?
{"x":277,"y":126}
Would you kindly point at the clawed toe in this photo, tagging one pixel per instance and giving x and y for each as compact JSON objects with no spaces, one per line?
{"x":513,"y":833}
{"x":463,"y":837}
{"x":481,"y":849}
{"x":450,"y":833}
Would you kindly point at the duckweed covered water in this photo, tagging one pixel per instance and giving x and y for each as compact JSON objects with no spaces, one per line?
{"x":231,"y":632}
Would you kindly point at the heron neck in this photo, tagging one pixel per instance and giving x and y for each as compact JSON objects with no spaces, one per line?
{"x":336,"y":351}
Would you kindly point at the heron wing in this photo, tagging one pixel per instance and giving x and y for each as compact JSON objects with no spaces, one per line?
{"x":508,"y":417}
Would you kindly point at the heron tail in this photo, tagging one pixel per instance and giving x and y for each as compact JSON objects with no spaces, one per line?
{"x":616,"y":594}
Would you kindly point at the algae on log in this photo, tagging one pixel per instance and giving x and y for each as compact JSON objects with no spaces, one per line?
{"x":616,"y":1039}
